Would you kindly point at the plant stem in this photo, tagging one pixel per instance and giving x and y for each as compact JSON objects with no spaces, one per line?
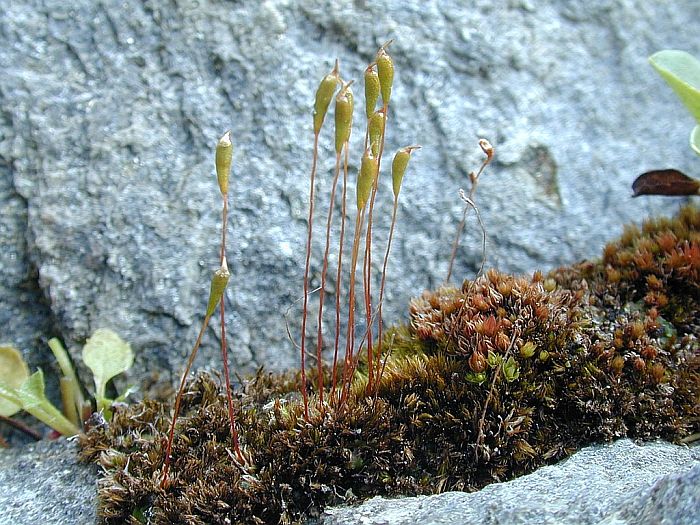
{"x":224,"y":348}
{"x":474,"y":179}
{"x":367,"y":262}
{"x":304,"y":315}
{"x":178,"y":401}
{"x":339,"y":274}
{"x":349,"y":369}
{"x":324,"y":272}
{"x":380,"y":324}
{"x":21,"y":427}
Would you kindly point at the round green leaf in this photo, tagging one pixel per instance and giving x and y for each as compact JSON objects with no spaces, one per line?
{"x":13,"y":372}
{"x":107,"y":355}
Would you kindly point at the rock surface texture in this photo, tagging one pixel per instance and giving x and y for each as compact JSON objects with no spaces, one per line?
{"x":109,"y":113}
{"x":618,"y":484}
{"x":42,"y":483}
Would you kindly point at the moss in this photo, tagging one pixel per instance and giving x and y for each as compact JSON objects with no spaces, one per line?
{"x":487,"y":382}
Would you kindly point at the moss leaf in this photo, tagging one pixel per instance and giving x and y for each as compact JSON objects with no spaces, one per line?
{"x":13,"y":372}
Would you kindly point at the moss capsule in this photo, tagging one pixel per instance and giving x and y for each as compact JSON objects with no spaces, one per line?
{"x":218,"y":286}
{"x":375,"y":127}
{"x":385,"y":71}
{"x":368,"y":172}
{"x":324,"y":94}
{"x":344,"y":105}
{"x":487,"y":148}
{"x":224,"y":154}
{"x":372,"y":89}
{"x":398,"y":167}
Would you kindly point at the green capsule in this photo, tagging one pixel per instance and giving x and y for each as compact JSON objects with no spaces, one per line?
{"x":365,"y":180}
{"x":372,"y":88}
{"x":398,"y":167}
{"x":324,"y":94}
{"x":385,"y":70}
{"x":224,"y":154}
{"x":376,"y":126}
{"x":344,"y":105}
{"x":218,"y":286}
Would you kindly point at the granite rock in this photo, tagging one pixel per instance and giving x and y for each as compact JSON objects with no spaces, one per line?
{"x":43,"y":483}
{"x":109,"y":113}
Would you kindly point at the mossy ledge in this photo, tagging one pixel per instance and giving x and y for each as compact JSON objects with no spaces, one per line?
{"x":486,"y":383}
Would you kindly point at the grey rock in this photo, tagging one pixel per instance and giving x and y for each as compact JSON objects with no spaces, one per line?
{"x":617,"y":484}
{"x":674,"y":499}
{"x":109,"y":113}
{"x":43,"y":483}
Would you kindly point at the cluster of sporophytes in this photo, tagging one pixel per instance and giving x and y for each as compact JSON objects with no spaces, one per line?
{"x":378,"y":85}
{"x":104,"y":353}
{"x":488,"y":381}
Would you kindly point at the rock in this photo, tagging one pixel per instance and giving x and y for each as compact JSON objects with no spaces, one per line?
{"x":110,"y":113}
{"x":43,"y":483}
{"x":617,"y":484}
{"x":672,"y":499}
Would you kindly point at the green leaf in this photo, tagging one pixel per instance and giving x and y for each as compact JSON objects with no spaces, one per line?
{"x":9,"y":396}
{"x":682,"y":72}
{"x":31,"y":391}
{"x":31,"y":394}
{"x":13,"y":372}
{"x":107,"y":355}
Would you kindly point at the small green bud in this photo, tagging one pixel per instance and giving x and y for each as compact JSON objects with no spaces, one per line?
{"x":511,"y":370}
{"x":375,"y":127}
{"x":224,"y":154}
{"x":218,"y":286}
{"x":385,"y":71}
{"x":372,"y":88}
{"x":476,"y":378}
{"x":365,"y":180}
{"x":344,"y":106}
{"x":544,"y":355}
{"x":398,"y":167}
{"x":494,"y":359}
{"x":324,"y":94}
{"x":528,"y":350}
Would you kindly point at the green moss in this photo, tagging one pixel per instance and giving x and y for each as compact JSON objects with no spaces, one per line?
{"x":486,"y":383}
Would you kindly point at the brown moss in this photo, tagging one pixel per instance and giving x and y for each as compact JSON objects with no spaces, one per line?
{"x":488,"y":382}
